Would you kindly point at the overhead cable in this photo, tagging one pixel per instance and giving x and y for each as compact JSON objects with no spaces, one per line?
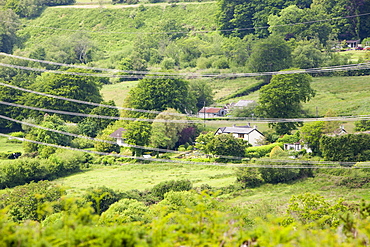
{"x":86,"y":102}
{"x":84,"y":74}
{"x":358,"y":66}
{"x":298,"y":164}
{"x":98,"y":116}
{"x":92,"y":68}
{"x":252,"y":120}
{"x":87,"y":137}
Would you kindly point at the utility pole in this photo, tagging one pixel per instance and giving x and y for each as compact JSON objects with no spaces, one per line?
{"x":204,"y":114}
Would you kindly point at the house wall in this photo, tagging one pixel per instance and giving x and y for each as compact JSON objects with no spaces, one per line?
{"x":253,"y":137}
{"x":120,"y":141}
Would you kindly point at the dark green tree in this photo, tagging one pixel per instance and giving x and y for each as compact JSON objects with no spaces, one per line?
{"x":160,"y":94}
{"x":138,"y":133}
{"x":85,"y":88}
{"x":41,"y":135}
{"x":311,"y":134}
{"x":239,"y":18}
{"x":228,"y":145}
{"x":202,"y":94}
{"x":9,"y":24}
{"x":91,"y":126}
{"x":281,"y":24}
{"x":282,"y":99}
{"x":271,"y":54}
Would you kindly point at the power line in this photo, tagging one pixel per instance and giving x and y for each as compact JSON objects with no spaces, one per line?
{"x":263,"y":120}
{"x":84,"y":74}
{"x":93,"y":68}
{"x":96,"y":116}
{"x":85,"y":102}
{"x":359,"y":66}
{"x":306,"y":164}
{"x":87,"y":137}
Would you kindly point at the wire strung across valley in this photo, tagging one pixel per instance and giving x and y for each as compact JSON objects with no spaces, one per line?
{"x":299,"y":164}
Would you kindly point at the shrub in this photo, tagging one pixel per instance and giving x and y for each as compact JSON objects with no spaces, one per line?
{"x":260,"y":151}
{"x":123,"y":211}
{"x":101,"y":198}
{"x":168,"y":63}
{"x":18,"y":134}
{"x":279,"y":175}
{"x":204,"y":63}
{"x":27,"y":201}
{"x":162,"y":188}
{"x":220,"y":63}
{"x":311,"y":209}
{"x":249,"y":177}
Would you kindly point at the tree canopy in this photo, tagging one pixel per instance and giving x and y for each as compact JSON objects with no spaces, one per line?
{"x":282,"y":99}
{"x":8,"y":26}
{"x":165,"y":133}
{"x":70,"y":86}
{"x":160,"y":94}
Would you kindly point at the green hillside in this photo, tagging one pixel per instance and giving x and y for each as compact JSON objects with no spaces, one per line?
{"x":114,"y":29}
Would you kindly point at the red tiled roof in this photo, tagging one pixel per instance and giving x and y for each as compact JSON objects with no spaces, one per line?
{"x":210,"y":110}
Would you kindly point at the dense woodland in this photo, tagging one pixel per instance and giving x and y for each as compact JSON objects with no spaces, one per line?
{"x":167,"y":49}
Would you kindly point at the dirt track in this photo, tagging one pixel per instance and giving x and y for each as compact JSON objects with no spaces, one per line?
{"x":118,"y":6}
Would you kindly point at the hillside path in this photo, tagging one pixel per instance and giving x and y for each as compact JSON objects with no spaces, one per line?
{"x":118,"y":6}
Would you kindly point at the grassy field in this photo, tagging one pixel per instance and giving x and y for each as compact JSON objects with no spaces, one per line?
{"x":145,"y":176}
{"x":117,"y":92}
{"x":113,"y":29}
{"x":9,"y":147}
{"x":273,"y":199}
{"x":261,"y":201}
{"x":346,"y":96}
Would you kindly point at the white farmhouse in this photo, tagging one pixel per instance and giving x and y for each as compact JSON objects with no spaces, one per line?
{"x":247,"y":133}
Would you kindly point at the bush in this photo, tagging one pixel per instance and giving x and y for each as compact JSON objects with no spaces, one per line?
{"x":260,"y":151}
{"x":18,"y":134}
{"x":101,"y":198}
{"x":204,"y":63}
{"x":123,"y":211}
{"x":26,"y":202}
{"x":162,"y":188}
{"x":220,"y":63}
{"x":69,"y":161}
{"x":249,"y":177}
{"x":168,"y":63}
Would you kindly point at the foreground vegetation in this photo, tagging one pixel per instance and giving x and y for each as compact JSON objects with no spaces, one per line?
{"x":177,"y":212}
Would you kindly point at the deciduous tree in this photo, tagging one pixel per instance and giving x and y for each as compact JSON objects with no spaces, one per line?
{"x":165,"y":131}
{"x":282,"y":99}
{"x":138,"y":133}
{"x":160,"y":94}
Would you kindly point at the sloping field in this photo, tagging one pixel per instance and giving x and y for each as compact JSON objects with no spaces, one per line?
{"x":112,"y":29}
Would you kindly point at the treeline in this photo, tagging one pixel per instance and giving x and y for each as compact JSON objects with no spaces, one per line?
{"x":176,"y":41}
{"x":243,"y":18}
{"x":33,"y":8}
{"x":24,"y":170}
